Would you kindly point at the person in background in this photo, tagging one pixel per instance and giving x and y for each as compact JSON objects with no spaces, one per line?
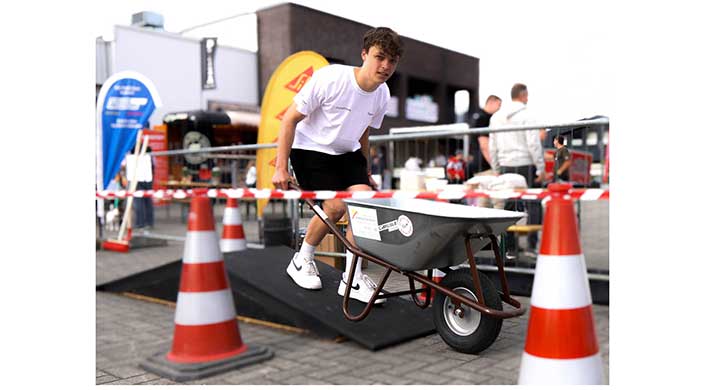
{"x":251,"y":174}
{"x":144,"y":209}
{"x":378,"y":165}
{"x":455,"y":169}
{"x":519,"y":152}
{"x":561,"y":160}
{"x":480,"y":143}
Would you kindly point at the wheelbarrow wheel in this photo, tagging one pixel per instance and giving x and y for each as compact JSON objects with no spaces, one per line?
{"x":472,"y":331}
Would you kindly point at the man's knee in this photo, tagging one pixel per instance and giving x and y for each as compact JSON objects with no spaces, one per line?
{"x":335,"y":209}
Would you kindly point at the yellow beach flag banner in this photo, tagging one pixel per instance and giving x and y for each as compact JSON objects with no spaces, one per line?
{"x":285,"y":83}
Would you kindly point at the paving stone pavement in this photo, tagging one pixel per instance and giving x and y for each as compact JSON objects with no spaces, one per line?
{"x":129,"y":330}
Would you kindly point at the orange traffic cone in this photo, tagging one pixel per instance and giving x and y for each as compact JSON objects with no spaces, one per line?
{"x":561,"y":343}
{"x":437,"y":276}
{"x":206,"y":333}
{"x":233,"y":238}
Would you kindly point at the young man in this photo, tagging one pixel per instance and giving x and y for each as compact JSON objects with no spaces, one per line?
{"x":561,"y":160}
{"x":325,"y":133}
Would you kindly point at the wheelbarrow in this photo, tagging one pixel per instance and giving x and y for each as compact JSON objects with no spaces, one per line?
{"x":410,"y":236}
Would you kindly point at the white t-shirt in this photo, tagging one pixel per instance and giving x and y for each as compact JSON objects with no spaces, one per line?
{"x":515,"y":148}
{"x":337,"y":111}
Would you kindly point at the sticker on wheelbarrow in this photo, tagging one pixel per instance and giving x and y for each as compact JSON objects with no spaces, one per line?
{"x":364,"y":222}
{"x":403,"y":224}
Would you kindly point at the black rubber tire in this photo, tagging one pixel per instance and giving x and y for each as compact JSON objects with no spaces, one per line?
{"x":489,"y":327}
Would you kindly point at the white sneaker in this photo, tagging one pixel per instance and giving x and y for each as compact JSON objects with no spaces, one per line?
{"x":362,"y":290}
{"x":304,"y":272}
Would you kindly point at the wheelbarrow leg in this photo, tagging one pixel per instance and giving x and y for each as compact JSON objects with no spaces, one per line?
{"x":426,"y":289}
{"x":506,"y":297}
{"x":473,"y":270}
{"x":375,"y":295}
{"x":500,"y":265}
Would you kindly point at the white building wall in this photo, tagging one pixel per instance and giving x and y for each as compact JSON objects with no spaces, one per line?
{"x":103,"y":60}
{"x":173,"y":63}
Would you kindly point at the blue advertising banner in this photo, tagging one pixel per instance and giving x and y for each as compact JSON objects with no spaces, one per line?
{"x":125,"y":103}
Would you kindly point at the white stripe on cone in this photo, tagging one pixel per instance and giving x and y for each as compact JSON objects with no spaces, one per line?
{"x":232,"y":216}
{"x":233,"y":244}
{"x":536,"y":370}
{"x":566,"y":276}
{"x":560,"y":282}
{"x":204,"y":308}
{"x":202,"y":247}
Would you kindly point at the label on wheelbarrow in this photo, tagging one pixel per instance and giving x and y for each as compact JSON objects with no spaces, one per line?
{"x":405,"y":226}
{"x":402,"y":224}
{"x":364,"y":222}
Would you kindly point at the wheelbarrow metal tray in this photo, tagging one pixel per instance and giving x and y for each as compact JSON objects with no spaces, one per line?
{"x":417,"y":234}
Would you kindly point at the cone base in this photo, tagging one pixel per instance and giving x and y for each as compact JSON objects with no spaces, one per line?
{"x":535,"y":370}
{"x":181,"y":372}
{"x":116,"y":245}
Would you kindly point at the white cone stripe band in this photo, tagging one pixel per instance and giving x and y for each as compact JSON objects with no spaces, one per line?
{"x":582,"y":371}
{"x":232,"y":216}
{"x":202,"y":247}
{"x":204,"y":308}
{"x":560,"y":282}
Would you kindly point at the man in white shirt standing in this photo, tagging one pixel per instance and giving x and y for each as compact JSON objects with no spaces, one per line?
{"x":326,"y":134}
{"x":518,"y":152}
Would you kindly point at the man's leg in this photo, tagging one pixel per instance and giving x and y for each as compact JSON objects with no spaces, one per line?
{"x":317,"y":229}
{"x":362,"y":285}
{"x":302,"y":268}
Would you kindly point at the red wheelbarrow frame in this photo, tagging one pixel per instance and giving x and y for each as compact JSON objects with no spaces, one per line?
{"x":457,"y":299}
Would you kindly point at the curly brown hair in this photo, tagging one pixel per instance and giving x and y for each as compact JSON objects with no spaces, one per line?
{"x":386,"y":39}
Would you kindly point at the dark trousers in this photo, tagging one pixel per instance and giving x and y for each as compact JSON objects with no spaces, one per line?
{"x":144,"y":209}
{"x":532,"y":207}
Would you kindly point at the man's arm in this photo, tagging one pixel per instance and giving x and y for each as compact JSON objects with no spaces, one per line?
{"x":484,"y":141}
{"x":533,"y":141}
{"x":494,"y":152}
{"x":284,"y":142}
{"x":365,"y":147}
{"x":566,"y":164}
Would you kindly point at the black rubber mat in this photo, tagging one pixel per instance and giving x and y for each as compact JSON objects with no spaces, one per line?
{"x":263,"y":290}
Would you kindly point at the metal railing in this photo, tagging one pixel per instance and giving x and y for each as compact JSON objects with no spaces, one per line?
{"x":289,"y":208}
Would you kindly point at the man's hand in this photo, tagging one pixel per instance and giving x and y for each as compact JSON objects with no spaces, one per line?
{"x":541,"y":176}
{"x":373,"y":183}
{"x":281,"y":178}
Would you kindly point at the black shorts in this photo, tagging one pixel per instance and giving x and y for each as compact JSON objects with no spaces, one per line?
{"x":320,"y":171}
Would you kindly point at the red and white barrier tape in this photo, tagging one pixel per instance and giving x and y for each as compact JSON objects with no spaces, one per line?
{"x":240,"y":193}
